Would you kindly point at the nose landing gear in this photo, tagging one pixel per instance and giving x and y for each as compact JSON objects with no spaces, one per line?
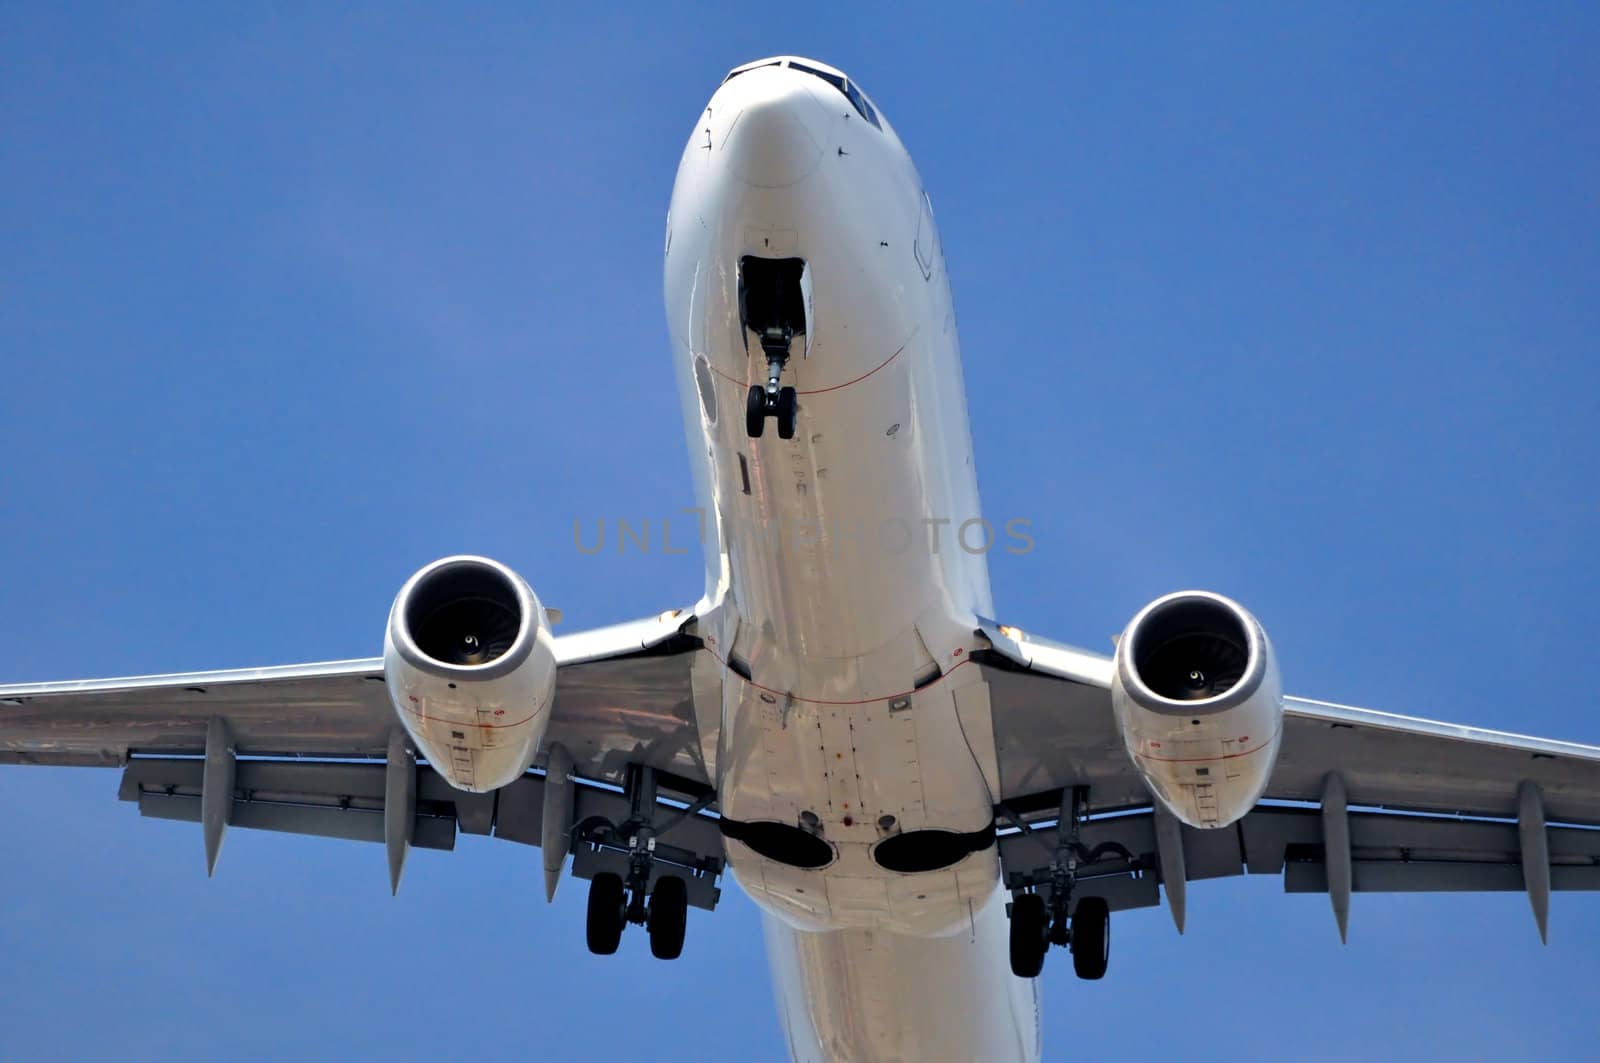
{"x":772,"y":400}
{"x":774,"y":304}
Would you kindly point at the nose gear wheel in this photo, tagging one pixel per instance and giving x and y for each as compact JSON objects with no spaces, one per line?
{"x":761,"y":404}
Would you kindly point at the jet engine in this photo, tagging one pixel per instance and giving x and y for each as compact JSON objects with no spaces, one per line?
{"x":471,"y":669}
{"x":1198,"y":698}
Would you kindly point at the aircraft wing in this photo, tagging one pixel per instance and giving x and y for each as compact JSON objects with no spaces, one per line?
{"x":311,"y":742}
{"x":1359,"y":800}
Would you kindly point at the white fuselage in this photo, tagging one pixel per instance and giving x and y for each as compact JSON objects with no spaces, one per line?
{"x":846,"y":570}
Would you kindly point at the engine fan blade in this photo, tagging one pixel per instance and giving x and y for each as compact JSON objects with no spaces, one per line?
{"x":1195,"y":666}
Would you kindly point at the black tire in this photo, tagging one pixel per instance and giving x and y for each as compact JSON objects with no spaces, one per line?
{"x":1030,"y":927}
{"x":755,"y":411}
{"x":607,"y":903}
{"x":788,"y":407}
{"x":669,"y":917}
{"x":1091,"y":938}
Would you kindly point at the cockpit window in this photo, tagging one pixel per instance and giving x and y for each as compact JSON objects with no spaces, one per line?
{"x":861,"y":105}
{"x":747,"y":69}
{"x":851,"y":93}
{"x":833,"y":79}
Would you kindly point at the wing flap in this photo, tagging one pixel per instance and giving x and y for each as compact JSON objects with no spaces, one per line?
{"x":1470,"y":877}
{"x":345,"y":800}
{"x":327,"y":799}
{"x":1390,"y":853}
{"x":430,"y":832}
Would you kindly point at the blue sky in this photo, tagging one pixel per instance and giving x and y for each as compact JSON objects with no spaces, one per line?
{"x":1294,"y":304}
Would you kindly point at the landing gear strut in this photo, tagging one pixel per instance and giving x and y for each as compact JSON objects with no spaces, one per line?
{"x":773,"y":400}
{"x":615,"y":900}
{"x":1039,"y":920}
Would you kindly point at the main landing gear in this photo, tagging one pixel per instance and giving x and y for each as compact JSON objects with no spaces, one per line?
{"x":615,"y":900}
{"x":1041,"y":919}
{"x":772,"y":400}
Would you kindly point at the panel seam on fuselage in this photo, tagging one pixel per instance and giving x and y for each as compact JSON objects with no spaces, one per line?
{"x":832,"y":387}
{"x":823,"y":701}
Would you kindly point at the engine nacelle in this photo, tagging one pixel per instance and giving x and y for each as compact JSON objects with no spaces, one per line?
{"x":471,"y":669}
{"x":1197,"y":695}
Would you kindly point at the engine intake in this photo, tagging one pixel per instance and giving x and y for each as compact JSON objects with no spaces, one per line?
{"x":1191,"y":648}
{"x":470,"y":666}
{"x":465,"y":613}
{"x":1198,"y":698}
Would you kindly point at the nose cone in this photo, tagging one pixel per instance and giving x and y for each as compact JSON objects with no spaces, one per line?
{"x":779,"y":135}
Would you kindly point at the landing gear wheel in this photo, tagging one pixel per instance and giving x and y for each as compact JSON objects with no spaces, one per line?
{"x":788,"y":405}
{"x":607,"y":910}
{"x":1030,"y":927}
{"x":755,"y":411}
{"x":669,"y":915}
{"x":1091,"y":938}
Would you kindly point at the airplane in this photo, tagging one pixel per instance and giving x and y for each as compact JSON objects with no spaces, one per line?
{"x":923,"y":800}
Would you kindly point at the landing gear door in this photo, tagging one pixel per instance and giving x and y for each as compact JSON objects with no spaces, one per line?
{"x":806,"y":297}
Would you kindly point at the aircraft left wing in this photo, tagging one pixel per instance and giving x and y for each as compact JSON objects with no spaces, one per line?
{"x":310,"y":745}
{"x":1359,"y":800}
